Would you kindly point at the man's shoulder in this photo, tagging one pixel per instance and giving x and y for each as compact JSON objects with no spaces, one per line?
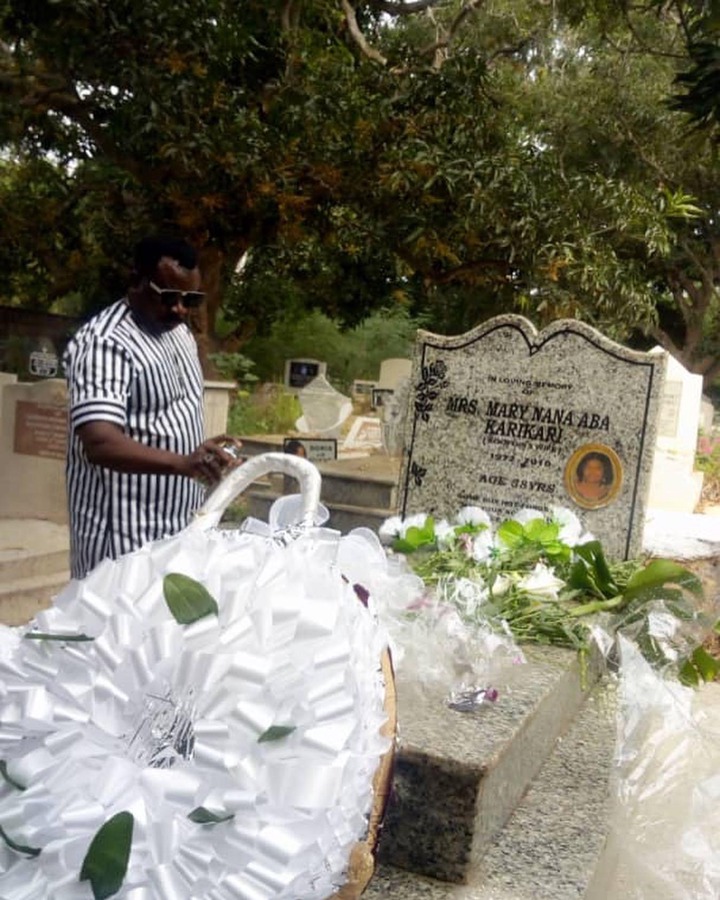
{"x":106,"y":322}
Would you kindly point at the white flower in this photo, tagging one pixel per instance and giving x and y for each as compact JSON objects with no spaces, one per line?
{"x":542,"y":582}
{"x":483,"y":545}
{"x":571,"y":528}
{"x":390,"y":529}
{"x":444,"y":534}
{"x":523,"y":516}
{"x":473,"y":515}
{"x":501,"y":585}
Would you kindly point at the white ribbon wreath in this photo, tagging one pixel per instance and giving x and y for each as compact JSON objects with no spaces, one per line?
{"x":161,"y":719}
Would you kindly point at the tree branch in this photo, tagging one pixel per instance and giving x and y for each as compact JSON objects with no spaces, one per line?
{"x":403,"y":9}
{"x":443,"y":44}
{"x":359,"y":37}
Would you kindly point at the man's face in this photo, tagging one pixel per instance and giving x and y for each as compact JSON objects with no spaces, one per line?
{"x":167,"y":311}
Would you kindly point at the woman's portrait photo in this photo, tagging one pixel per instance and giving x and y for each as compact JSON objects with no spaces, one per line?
{"x":593,"y":476}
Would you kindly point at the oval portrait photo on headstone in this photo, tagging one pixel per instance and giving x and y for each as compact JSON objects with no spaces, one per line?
{"x":593,"y":476}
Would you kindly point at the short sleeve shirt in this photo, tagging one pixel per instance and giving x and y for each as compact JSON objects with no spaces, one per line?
{"x":149,"y":384}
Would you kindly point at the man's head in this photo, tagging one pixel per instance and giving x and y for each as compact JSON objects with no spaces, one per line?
{"x":165,"y":282}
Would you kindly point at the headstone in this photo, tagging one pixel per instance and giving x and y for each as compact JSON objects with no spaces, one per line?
{"x":504,"y":417}
{"x":394,"y":414}
{"x":380,"y":396}
{"x":5,"y":379}
{"x":43,"y":364}
{"x":216,"y":403}
{"x":315,"y":449}
{"x":365,"y":434}
{"x":300,"y":372}
{"x":33,"y":444}
{"x":674,"y":485}
{"x":393,"y":371}
{"x":362,"y":387}
{"x":324,"y":409}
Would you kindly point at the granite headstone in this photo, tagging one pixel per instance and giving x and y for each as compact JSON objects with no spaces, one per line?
{"x":504,"y":417}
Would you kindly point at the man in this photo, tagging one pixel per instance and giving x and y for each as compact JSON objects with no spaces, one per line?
{"x":137,"y":462}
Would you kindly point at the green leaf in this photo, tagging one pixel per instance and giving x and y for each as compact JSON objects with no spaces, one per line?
{"x":597,"y":576}
{"x":275,"y":733}
{"x":511,"y":532}
{"x":187,"y":599}
{"x":19,"y":848}
{"x":707,"y":665}
{"x":9,"y":778}
{"x":658,"y":573}
{"x":204,"y":817}
{"x":106,"y":861}
{"x":42,"y":636}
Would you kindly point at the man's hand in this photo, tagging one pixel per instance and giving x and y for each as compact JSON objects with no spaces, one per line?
{"x":210,"y":461}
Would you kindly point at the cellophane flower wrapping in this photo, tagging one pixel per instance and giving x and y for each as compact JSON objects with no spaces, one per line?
{"x":664,"y":838}
{"x":160,"y":719}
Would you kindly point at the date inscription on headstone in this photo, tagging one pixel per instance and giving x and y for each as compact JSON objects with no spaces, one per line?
{"x":504,"y":417}
{"x":41,"y":429}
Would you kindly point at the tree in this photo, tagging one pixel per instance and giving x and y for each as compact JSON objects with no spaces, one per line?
{"x":456,"y":158}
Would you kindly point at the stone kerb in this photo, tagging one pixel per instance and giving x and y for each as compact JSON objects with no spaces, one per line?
{"x":33,"y":444}
{"x":504,"y":417}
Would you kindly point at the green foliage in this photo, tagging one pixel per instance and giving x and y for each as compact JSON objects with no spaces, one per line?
{"x":18,"y":848}
{"x":534,"y":540}
{"x":350,"y":353}
{"x":234,"y":367}
{"x":268,"y":410}
{"x":7,"y":778}
{"x":275,"y":733}
{"x":708,"y":462}
{"x":187,"y":599}
{"x":529,"y":162}
{"x":106,"y":860}
{"x":544,"y":589}
{"x":202,"y":816}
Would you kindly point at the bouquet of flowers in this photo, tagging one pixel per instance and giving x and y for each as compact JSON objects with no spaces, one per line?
{"x":546,"y":581}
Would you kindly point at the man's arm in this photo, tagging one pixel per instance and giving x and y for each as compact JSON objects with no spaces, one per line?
{"x":107,"y":445}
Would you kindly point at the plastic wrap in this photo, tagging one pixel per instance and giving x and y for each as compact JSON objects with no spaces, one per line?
{"x":664,"y":838}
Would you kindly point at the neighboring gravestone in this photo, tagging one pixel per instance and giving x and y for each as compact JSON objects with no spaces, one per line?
{"x":300,"y":372}
{"x":674,"y":484}
{"x":317,"y":450}
{"x":503,"y":418}
{"x":324,"y":408}
{"x":394,"y":414}
{"x":365,"y":434}
{"x":32,"y":451}
{"x":216,"y":405}
{"x":393,"y":371}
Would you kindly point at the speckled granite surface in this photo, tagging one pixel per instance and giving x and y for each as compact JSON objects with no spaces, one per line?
{"x":460,"y":775}
{"x":550,"y":847}
{"x":504,"y":417}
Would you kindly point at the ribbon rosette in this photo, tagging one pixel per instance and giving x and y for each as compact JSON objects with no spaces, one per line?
{"x":242,"y":744}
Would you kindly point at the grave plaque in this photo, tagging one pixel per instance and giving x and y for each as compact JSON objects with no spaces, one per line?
{"x":41,"y":430}
{"x":315,"y":449}
{"x":300,"y":372}
{"x":42,"y":364}
{"x":504,"y":417}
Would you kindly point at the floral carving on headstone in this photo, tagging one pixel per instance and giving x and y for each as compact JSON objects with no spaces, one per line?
{"x":428,"y":389}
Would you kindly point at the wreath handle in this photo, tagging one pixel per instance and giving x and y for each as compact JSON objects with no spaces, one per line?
{"x":240,"y":477}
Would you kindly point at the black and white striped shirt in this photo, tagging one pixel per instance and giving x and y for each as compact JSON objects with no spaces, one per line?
{"x":150,"y":384}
